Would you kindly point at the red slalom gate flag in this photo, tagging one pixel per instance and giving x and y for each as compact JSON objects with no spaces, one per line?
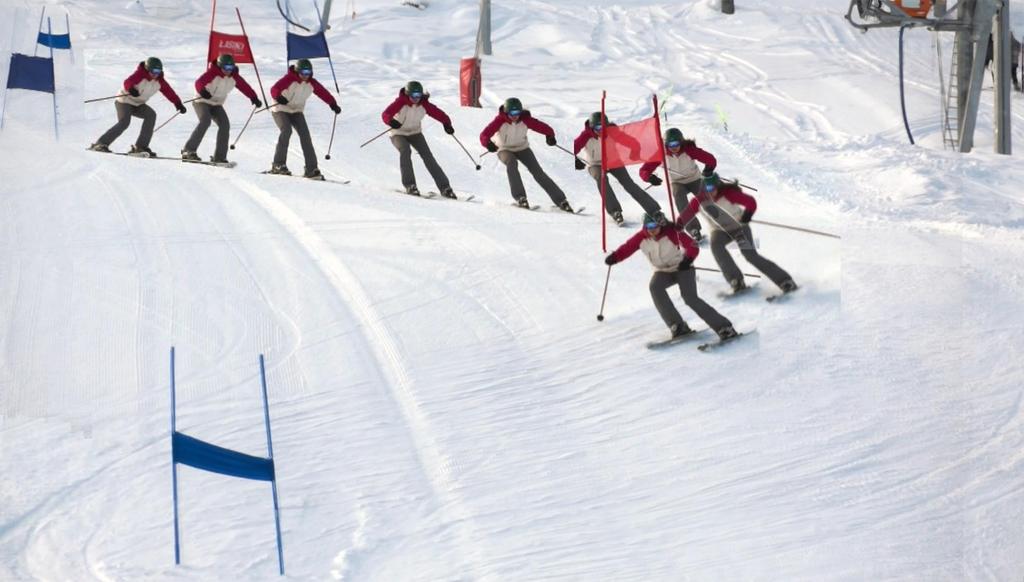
{"x":638,"y":142}
{"x":236,"y":45}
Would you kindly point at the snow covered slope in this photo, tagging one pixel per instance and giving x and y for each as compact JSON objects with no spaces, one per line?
{"x":444,"y":404}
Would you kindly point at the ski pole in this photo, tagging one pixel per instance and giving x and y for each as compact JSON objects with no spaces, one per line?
{"x":331,"y":144}
{"x":251,"y":113}
{"x":104,"y":98}
{"x":818,"y":232}
{"x":374,"y":138}
{"x":600,"y":315}
{"x":172,"y":118}
{"x":469,"y":155}
{"x":717,"y":271}
{"x":574,"y":156}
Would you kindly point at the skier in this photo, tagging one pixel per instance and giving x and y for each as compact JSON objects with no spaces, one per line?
{"x":212,"y":88}
{"x":508,"y":130}
{"x":684,"y":176}
{"x":589,"y":141}
{"x":724,"y":205}
{"x":147,"y":79}
{"x":290,"y":92}
{"x":672,"y":265}
{"x":405,"y":115}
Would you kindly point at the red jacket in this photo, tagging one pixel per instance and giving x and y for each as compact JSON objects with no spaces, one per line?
{"x":728,"y":192}
{"x":293,"y":83}
{"x":501,"y":119}
{"x":404,"y":100}
{"x":693,"y":151}
{"x":142,"y":75}
{"x":214,"y":71}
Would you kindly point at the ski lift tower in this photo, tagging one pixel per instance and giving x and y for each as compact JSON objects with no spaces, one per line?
{"x":972,"y":24}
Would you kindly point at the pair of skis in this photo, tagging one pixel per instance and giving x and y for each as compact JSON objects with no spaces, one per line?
{"x":146,"y":156}
{"x":704,"y":347}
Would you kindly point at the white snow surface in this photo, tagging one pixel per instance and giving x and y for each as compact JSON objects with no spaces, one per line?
{"x":444,"y":405}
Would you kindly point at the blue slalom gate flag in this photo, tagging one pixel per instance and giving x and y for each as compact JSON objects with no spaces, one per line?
{"x":307,"y":47}
{"x":57,"y":41}
{"x":32,"y":73}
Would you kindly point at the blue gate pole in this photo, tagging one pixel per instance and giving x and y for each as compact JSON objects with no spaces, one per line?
{"x":273,"y":482}
{"x":71,"y":45}
{"x":174,"y":465}
{"x":35,"y":50}
{"x":49,"y":28}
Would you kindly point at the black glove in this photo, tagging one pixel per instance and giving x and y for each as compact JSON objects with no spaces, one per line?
{"x":133,"y":92}
{"x":747,"y":215}
{"x":491,"y":147}
{"x":395,"y":124}
{"x":181,"y":108}
{"x":610,"y":260}
{"x":685,"y":264}
{"x":654,"y":180}
{"x":579,"y":164}
{"x":551,"y":140}
{"x":336,"y":109}
{"x":449,"y":130}
{"x":256,"y":102}
{"x":708,"y":170}
{"x":204,"y":94}
{"x":280,"y":99}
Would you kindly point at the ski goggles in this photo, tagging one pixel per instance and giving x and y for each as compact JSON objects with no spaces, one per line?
{"x":227,"y":68}
{"x":651,"y":225}
{"x":710,"y":186}
{"x":416,"y":96}
{"x":155,"y":71}
{"x":514,"y":113}
{"x":673,"y":144}
{"x":596,"y":128}
{"x":306,"y":72}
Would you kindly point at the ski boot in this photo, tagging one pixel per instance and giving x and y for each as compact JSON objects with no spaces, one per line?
{"x":564,"y":205}
{"x":187,"y":156}
{"x":659,"y":216}
{"x":313,"y":174}
{"x":100,"y":147}
{"x":280,"y":169}
{"x":679,"y":330}
{"x":216,"y":160}
{"x":695,"y":235}
{"x":447,"y":192}
{"x":141,"y":152}
{"x":412,"y":190}
{"x":617,"y":217}
{"x":523,"y":202}
{"x":737,"y":285}
{"x":727,"y":333}
{"x":788,"y":286}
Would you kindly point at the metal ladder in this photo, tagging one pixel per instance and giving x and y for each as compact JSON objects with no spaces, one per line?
{"x":950,"y":120}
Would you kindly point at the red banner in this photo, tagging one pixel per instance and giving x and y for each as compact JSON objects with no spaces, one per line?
{"x":236,"y":45}
{"x":633,"y":143}
{"x":470,"y":82}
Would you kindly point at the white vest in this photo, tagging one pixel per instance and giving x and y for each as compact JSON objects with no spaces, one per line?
{"x":682,"y":168}
{"x":512,"y":137}
{"x":733,"y":210}
{"x":147,"y":88}
{"x":411,"y":119}
{"x":663,"y":254}
{"x":296,"y":94}
{"x":592,"y":152}
{"x":219,"y":88}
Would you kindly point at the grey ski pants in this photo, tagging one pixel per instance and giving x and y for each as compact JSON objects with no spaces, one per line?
{"x":679,"y":192}
{"x":286,"y":122}
{"x":125,"y":113}
{"x":687,"y":281}
{"x":206,"y":113}
{"x":515,"y":181}
{"x":720,"y":240}
{"x":405,"y":144}
{"x":611,"y":204}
